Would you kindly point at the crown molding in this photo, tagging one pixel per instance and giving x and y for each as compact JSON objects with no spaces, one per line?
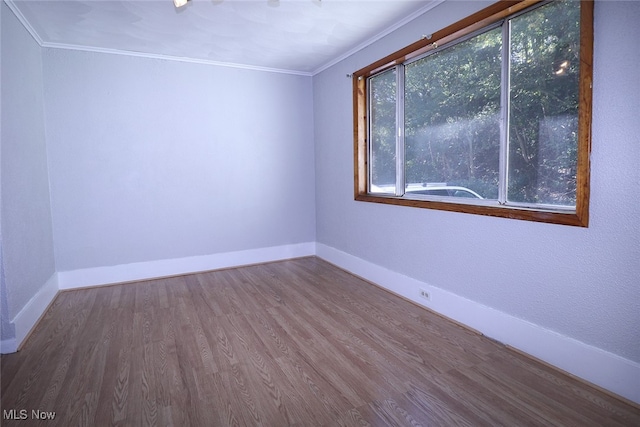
{"x":171,"y":58}
{"x":11,"y":4}
{"x":16,"y":11}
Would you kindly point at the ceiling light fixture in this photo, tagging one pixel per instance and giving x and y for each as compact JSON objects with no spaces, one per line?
{"x":179,"y":3}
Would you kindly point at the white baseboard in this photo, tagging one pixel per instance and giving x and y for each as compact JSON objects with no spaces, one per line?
{"x":172,"y":267}
{"x":27,"y":318}
{"x":607,"y":370}
{"x":604,"y":369}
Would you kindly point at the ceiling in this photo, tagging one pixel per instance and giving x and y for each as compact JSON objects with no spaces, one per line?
{"x":296,"y":36}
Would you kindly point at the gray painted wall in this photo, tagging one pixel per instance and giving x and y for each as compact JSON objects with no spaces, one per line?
{"x":27,"y":240}
{"x":153,"y":159}
{"x":582,"y":283}
{"x":6,"y":329}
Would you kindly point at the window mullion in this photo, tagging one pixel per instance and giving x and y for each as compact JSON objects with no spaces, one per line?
{"x":400,"y":178}
{"x":504,"y":112}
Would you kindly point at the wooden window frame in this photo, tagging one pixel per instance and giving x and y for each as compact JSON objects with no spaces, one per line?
{"x":468,"y":25}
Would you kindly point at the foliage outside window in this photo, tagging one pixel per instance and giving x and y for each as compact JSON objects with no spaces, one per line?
{"x":490,"y":115}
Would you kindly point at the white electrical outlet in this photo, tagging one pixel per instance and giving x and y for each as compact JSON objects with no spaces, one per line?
{"x":425,"y":294}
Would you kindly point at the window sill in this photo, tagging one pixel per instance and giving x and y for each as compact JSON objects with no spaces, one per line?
{"x":526,"y":214}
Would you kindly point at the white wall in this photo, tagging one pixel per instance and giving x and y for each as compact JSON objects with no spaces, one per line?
{"x":582,"y":283}
{"x":159,"y":160}
{"x":27,"y":242}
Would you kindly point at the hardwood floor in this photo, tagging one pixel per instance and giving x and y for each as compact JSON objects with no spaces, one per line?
{"x":297,"y":342}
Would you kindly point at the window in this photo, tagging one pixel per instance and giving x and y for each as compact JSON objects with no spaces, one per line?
{"x":491,"y":115}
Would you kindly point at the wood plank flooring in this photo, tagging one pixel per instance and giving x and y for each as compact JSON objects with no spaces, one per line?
{"x":292,"y":343}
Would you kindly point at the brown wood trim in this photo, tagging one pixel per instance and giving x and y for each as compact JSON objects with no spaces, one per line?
{"x":495,"y":211}
{"x":478,"y":20}
{"x":585,"y":106}
{"x":360,"y":134}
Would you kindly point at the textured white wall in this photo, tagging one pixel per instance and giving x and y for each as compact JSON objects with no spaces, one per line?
{"x":27,"y":241}
{"x":581,"y":283}
{"x":154,"y":159}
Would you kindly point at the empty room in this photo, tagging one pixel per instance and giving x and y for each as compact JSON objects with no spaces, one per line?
{"x":319,"y":212}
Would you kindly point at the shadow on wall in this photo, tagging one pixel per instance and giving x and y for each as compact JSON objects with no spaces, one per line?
{"x":7,"y":329}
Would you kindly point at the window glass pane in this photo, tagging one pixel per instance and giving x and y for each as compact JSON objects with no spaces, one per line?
{"x":543,"y":122}
{"x":452,"y":113}
{"x":382,"y":113}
